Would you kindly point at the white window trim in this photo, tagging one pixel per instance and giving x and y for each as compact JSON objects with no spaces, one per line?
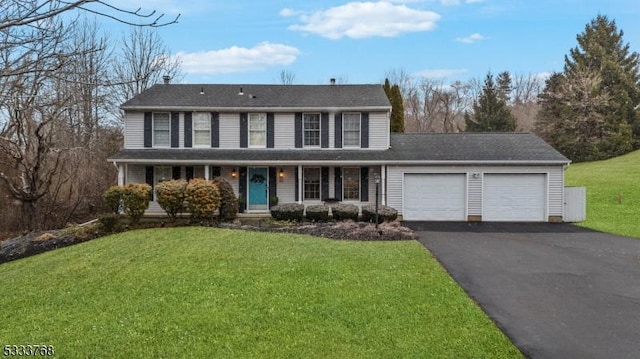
{"x":153,"y":130}
{"x":359,"y":185}
{"x":249,"y":145}
{"x":344,"y":145}
{"x":193,"y":131}
{"x":304,"y":192}
{"x":319,"y":145}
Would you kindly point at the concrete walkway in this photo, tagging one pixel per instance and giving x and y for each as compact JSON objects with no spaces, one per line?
{"x":558,"y":291}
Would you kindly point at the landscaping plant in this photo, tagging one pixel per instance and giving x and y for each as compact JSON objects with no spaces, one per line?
{"x":229,"y":205}
{"x":170,"y":196}
{"x":135,"y":198}
{"x":202,"y":197}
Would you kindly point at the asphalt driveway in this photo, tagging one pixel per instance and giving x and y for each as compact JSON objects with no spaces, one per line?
{"x":558,"y":291}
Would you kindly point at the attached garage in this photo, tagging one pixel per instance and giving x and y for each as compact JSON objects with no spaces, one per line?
{"x":435,"y":197}
{"x":517,"y":197}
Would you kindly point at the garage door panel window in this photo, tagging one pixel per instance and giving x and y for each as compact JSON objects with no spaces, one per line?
{"x":351,"y":184}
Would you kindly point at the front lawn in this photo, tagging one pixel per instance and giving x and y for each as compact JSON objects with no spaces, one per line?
{"x":613,"y":193}
{"x":211,"y":293}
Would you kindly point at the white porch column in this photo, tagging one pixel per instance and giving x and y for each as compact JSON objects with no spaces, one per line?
{"x":300,"y":185}
{"x":206,"y":172}
{"x":383,"y":184}
{"x":121,"y":175}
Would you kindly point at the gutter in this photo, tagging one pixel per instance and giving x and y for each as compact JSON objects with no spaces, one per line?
{"x":337,"y":162}
{"x":249,"y":108}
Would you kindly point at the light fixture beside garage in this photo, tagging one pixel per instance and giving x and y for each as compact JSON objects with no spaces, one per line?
{"x":476,"y":175}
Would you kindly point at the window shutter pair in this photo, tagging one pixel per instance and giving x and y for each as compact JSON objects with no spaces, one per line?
{"x":364,"y":130}
{"x":244,"y":130}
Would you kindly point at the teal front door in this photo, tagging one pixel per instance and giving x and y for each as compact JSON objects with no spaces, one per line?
{"x":258,"y":178}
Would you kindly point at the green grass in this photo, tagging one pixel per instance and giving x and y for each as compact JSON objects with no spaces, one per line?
{"x":204,"y":292}
{"x":604,"y":181}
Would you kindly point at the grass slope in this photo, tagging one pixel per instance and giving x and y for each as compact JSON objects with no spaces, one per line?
{"x":204,"y":292}
{"x":604,"y":181}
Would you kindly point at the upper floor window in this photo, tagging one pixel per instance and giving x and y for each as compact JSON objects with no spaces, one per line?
{"x":311,"y":183}
{"x":351,"y":129}
{"x":161,"y":129}
{"x":257,"y":130}
{"x":311,"y":127}
{"x":351,"y":184}
{"x":201,"y":129}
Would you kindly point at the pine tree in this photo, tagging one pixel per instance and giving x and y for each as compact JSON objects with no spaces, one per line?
{"x":490,"y":112}
{"x":504,"y":86}
{"x":601,"y":50}
{"x":397,"y":106}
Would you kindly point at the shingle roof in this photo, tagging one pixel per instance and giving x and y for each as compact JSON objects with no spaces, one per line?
{"x":405,"y":148}
{"x":260,"y":96}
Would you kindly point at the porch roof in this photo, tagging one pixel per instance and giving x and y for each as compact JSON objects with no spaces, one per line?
{"x":406,"y":149}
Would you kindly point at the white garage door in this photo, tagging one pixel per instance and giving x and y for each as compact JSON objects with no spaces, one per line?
{"x":514,"y":197}
{"x":434,"y":197}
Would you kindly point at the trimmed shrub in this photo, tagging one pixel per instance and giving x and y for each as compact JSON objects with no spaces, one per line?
{"x":344,"y":211}
{"x":385,"y":214}
{"x":229,"y":206}
{"x":203,"y":198}
{"x":288,"y":212}
{"x":318,"y":213}
{"x":135,"y":198}
{"x":170,"y":196}
{"x":110,"y":223}
{"x":113,"y":198}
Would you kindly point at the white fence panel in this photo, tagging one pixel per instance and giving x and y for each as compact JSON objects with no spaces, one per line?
{"x":575,"y":204}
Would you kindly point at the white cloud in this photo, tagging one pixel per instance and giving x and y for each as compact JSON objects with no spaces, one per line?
{"x":238,"y":59}
{"x":440,"y":73}
{"x":286,"y":12}
{"x":470,"y":39}
{"x":458,"y":2}
{"x":360,"y":20}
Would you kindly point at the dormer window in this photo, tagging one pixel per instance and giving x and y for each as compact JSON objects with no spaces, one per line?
{"x":351,"y":129}
{"x":311,"y":127}
{"x":258,"y":130}
{"x":161,"y":129}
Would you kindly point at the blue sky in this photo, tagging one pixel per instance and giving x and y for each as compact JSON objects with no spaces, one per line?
{"x":241,"y":41}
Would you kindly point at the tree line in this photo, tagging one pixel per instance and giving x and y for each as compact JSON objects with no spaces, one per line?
{"x":62,"y":80}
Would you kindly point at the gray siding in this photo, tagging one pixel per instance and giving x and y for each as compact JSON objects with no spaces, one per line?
{"x":287,"y":186}
{"x":134,"y":130}
{"x":555,"y":185}
{"x":378,"y":130}
{"x":135,"y":174}
{"x":229,"y":130}
{"x":284,"y":131}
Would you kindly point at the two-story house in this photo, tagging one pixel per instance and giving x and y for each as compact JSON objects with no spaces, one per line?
{"x":314,"y":143}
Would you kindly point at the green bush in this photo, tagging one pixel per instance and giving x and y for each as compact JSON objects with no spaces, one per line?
{"x":170,"y":196}
{"x":318,"y":213}
{"x":385,"y":214}
{"x":135,"y":198}
{"x":343,"y":212}
{"x":111,"y":223}
{"x":203,"y":198}
{"x":229,"y":206}
{"x":113,"y":198}
{"x":288,"y":212}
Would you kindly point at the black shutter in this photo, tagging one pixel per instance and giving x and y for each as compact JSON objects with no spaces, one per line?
{"x":176,"y":173}
{"x":298,"y":129}
{"x":338,"y":183}
{"x":188,"y":172}
{"x":273,"y":183}
{"x":188,"y":129}
{"x":215,"y":129}
{"x":148,"y":129}
{"x":244,"y":130}
{"x":364,"y":184}
{"x":324,"y":183}
{"x":242,"y":186}
{"x":270,"y":130}
{"x":175,"y":129}
{"x":324,"y":130}
{"x":338,"y":119}
{"x":149,"y":179}
{"x":297,"y":189}
{"x":364,"y":130}
{"x":214,"y":172}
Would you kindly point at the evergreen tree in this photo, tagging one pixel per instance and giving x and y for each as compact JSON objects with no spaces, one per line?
{"x":601,"y":50}
{"x":490,"y":112}
{"x":397,"y":106}
{"x":504,"y":86}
